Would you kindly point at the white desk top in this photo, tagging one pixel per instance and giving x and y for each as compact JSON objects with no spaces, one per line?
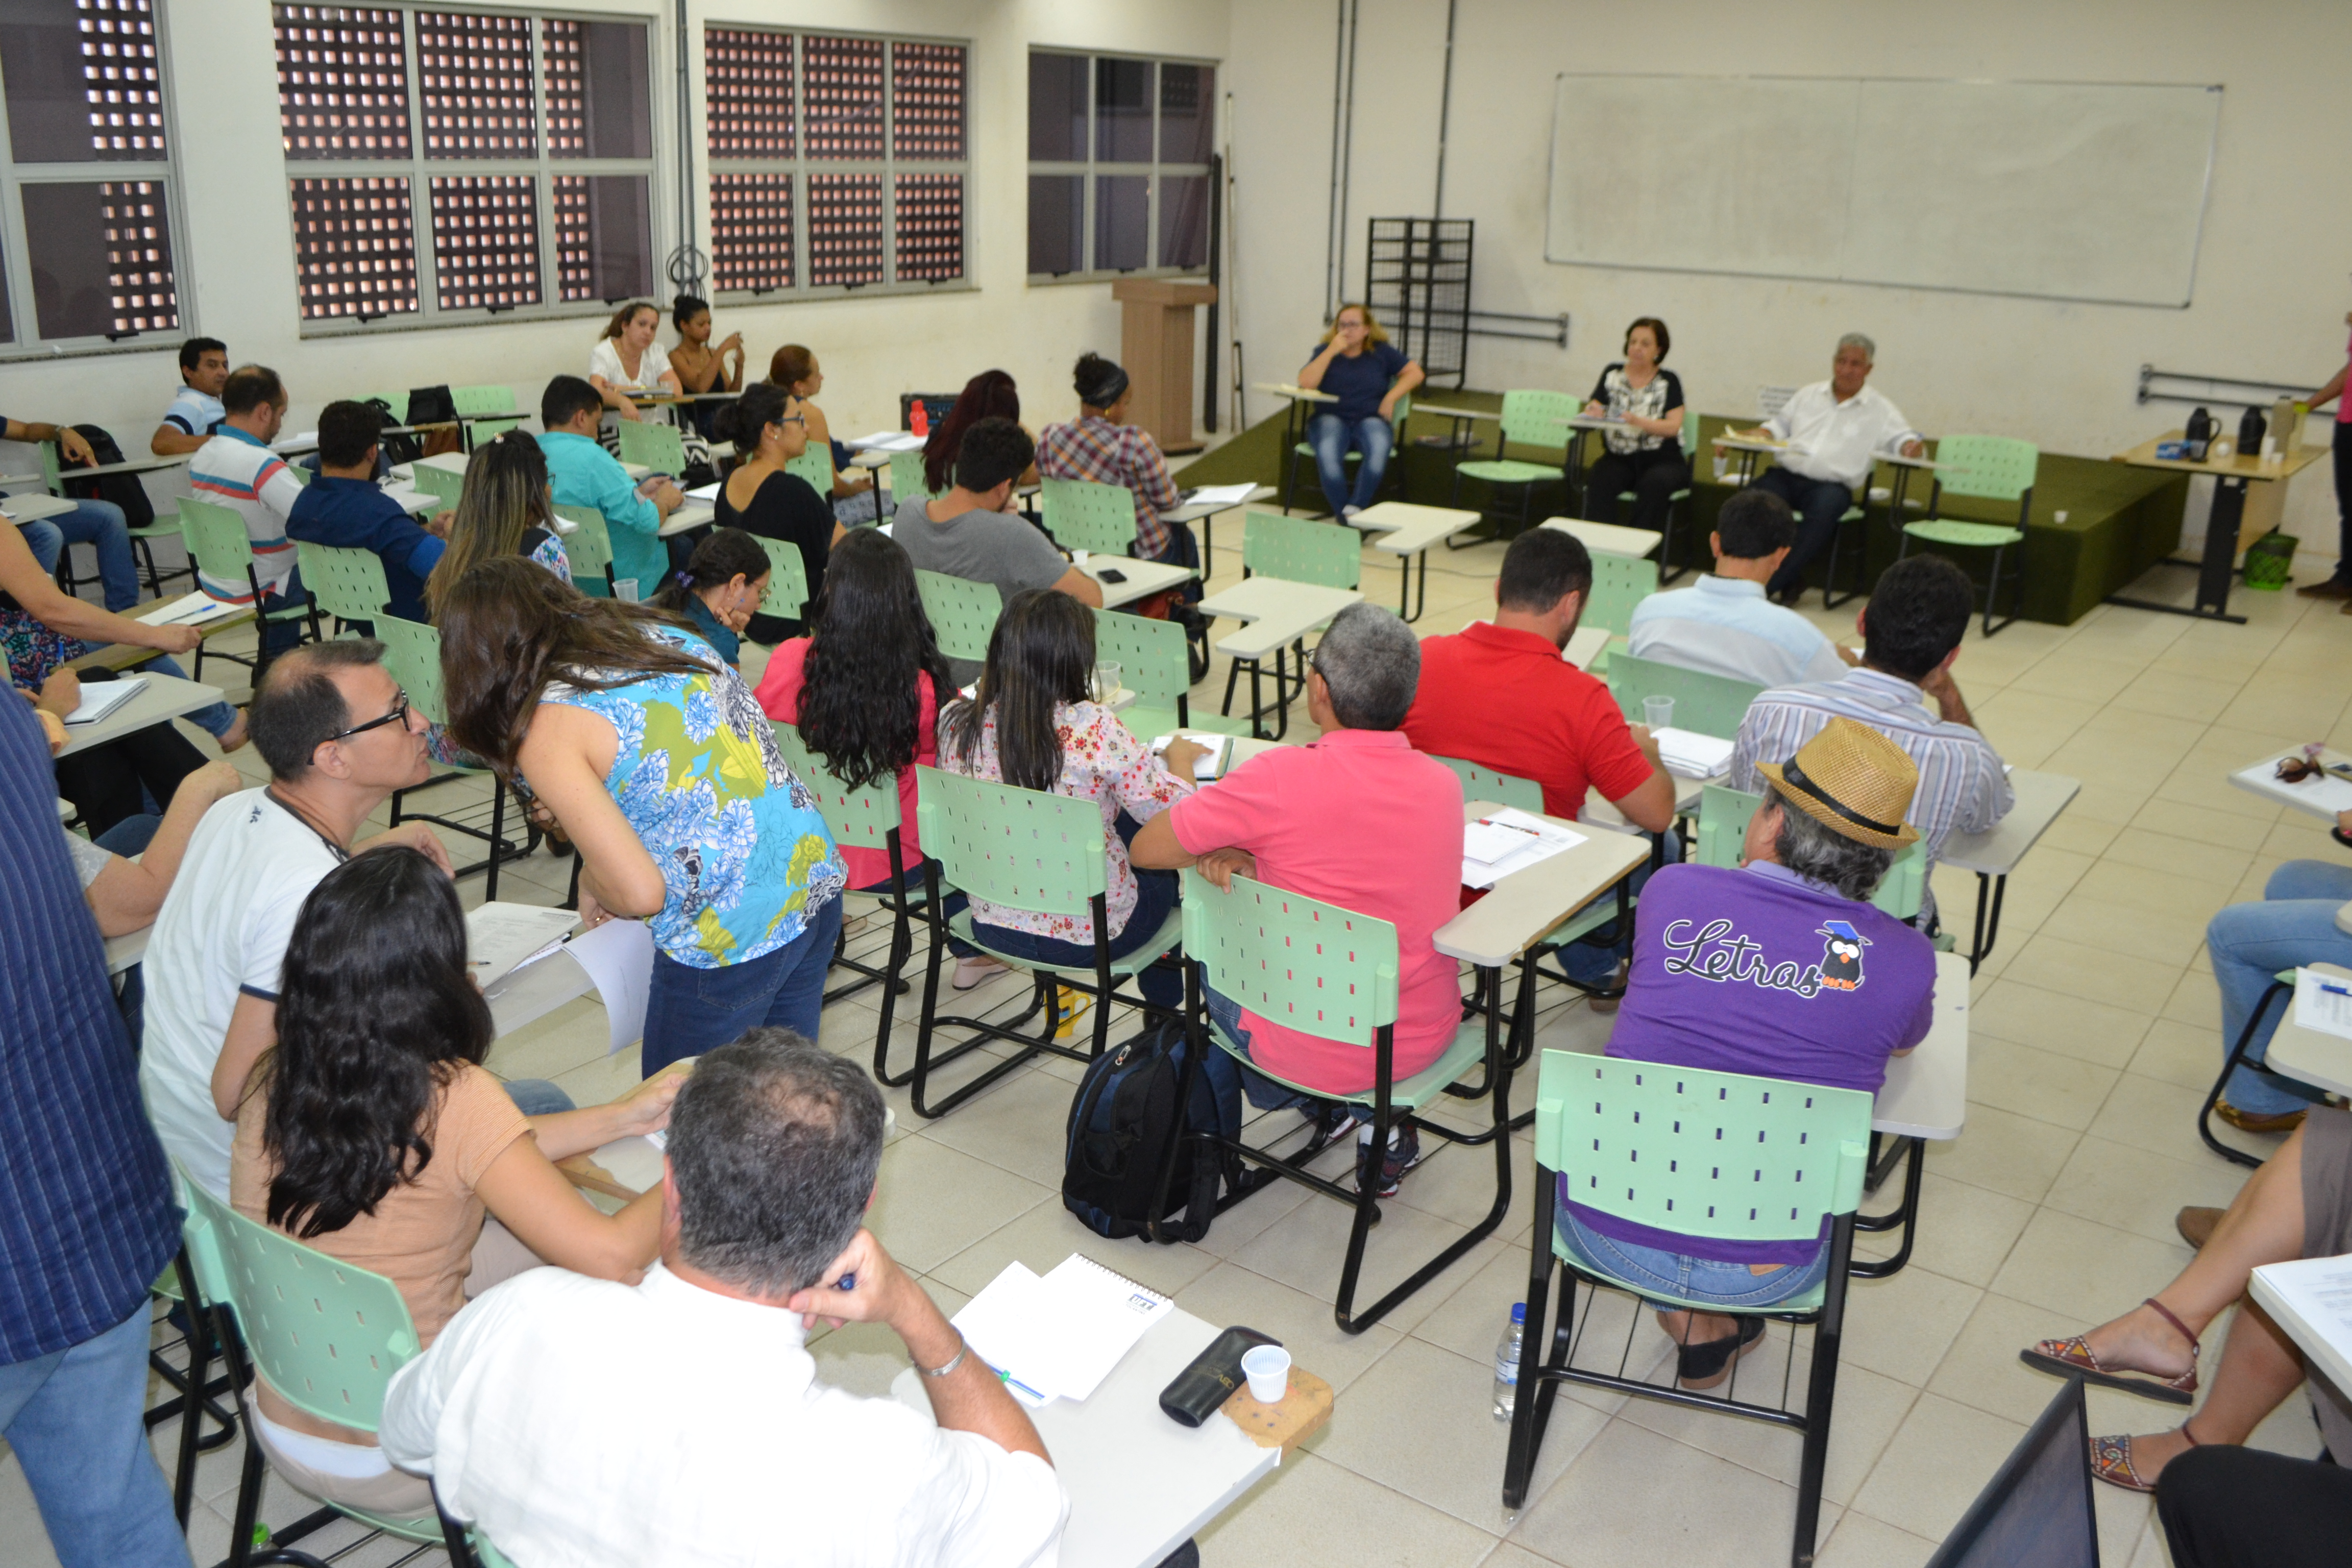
{"x":165,"y":696}
{"x":2040,"y":798}
{"x":871,"y":457}
{"x":2323,"y":1347}
{"x":1144,"y":578}
{"x":147,"y":465}
{"x":131,"y":947}
{"x":420,"y":503}
{"x":1102,"y":1446}
{"x":1193,"y":511}
{"x":1296,"y":394}
{"x":1927,"y":1093}
{"x":34,"y":507}
{"x":1432,"y":408}
{"x":1525,"y":906}
{"x":1277,"y":612}
{"x":1742,"y":444}
{"x":693,"y":514}
{"x":447,"y":462}
{"x":1607,"y":538}
{"x":2312,"y":796}
{"x":2312,"y":1055}
{"x":1405,"y":529}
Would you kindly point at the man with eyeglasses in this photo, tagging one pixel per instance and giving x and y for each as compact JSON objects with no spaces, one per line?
{"x":340,"y":736}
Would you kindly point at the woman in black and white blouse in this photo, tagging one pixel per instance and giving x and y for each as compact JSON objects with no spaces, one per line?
{"x":1645,"y":457}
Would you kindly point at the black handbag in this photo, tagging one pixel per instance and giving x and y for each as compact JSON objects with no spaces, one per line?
{"x":432,"y":405}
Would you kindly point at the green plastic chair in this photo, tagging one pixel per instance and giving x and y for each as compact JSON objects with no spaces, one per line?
{"x":1303,"y":452}
{"x":1678,"y":502}
{"x":438,"y":483}
{"x":962,"y":611}
{"x":1486,"y":784}
{"x":346,"y":583}
{"x":411,"y":656}
{"x":222,"y":551}
{"x":656,"y":445}
{"x":397,"y":403}
{"x":1328,"y":555}
{"x":787,"y":593}
{"x":1022,"y":849}
{"x":1330,"y":972}
{"x":816,"y":465}
{"x":326,"y":1334}
{"x":906,"y":481}
{"x":589,"y":549}
{"x":1530,"y":418}
{"x":1155,"y":663}
{"x":1083,"y":515}
{"x":1705,"y":704}
{"x":485,"y":399}
{"x":1717,"y":1155}
{"x":1619,"y":582}
{"x":1723,"y":815}
{"x":1985,"y":468}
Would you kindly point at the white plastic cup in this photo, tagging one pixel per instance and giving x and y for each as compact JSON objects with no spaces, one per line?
{"x":1107,"y":679}
{"x":1079,"y":558}
{"x":1658,"y":713}
{"x":1267,"y":1367}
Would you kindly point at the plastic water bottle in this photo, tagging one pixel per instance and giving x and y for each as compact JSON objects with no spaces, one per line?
{"x":1507,"y":1362}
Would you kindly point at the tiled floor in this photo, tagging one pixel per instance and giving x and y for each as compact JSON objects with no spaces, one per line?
{"x":2096,"y":1030}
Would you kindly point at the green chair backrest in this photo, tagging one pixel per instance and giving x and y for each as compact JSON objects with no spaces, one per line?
{"x":1153,"y":661}
{"x":1020,"y":847}
{"x":963,"y":613}
{"x":1083,"y":515}
{"x":1486,"y":784}
{"x":907,"y":481}
{"x":344,"y":583}
{"x":397,"y":401}
{"x":1723,"y":815}
{"x":1715,"y":1155}
{"x":1328,"y":555}
{"x":656,"y":445}
{"x":1690,"y":434}
{"x":1996,"y":467}
{"x":816,"y":465}
{"x":302,"y":476}
{"x":326,"y":1334}
{"x":1619,"y":582}
{"x":411,"y":656}
{"x":217,"y":538}
{"x":1705,"y":704}
{"x":860,"y":819}
{"x":787,"y":579}
{"x":483,"y":399}
{"x":1292,"y":960}
{"x":1539,"y":418}
{"x":487,"y":1555}
{"x":437,"y":481}
{"x":589,"y":548}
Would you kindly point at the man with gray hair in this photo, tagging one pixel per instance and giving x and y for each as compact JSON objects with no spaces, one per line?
{"x":1357,"y":819}
{"x":1835,"y":429}
{"x":678,"y":1421}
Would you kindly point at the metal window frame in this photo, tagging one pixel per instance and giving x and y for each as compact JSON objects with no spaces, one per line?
{"x":543,"y":169}
{"x":1154,"y":172}
{"x":15,"y":258}
{"x":800,"y":167}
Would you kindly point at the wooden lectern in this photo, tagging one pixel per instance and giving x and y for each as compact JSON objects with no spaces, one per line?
{"x":1156,"y":351}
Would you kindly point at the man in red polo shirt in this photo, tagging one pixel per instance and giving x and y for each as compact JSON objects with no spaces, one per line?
{"x":1501,"y":696}
{"x":1357,"y":819}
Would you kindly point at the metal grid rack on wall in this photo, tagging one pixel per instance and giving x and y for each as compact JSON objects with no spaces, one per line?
{"x":1417,"y":281}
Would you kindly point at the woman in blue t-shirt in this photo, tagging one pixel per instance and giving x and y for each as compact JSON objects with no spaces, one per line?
{"x":1357,"y":364}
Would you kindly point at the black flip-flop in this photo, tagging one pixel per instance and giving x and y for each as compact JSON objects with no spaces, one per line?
{"x":2338,"y":835}
{"x":1702,"y":1366}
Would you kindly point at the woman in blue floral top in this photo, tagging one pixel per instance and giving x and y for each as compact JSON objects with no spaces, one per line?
{"x":658,"y":762}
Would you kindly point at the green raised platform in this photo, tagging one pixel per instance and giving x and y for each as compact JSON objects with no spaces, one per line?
{"x":2119,"y":520}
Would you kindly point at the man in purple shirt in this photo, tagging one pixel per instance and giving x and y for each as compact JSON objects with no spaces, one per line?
{"x":1780,"y":968}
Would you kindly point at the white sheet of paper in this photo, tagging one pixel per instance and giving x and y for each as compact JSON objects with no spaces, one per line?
{"x":499,"y":937}
{"x":619,"y":958}
{"x":188,"y":610}
{"x":2317,"y":1295}
{"x":708,"y":493}
{"x":99,"y":698}
{"x":2323,"y":1002}
{"x":1583,"y":643}
{"x":1547,"y":839}
{"x":1486,"y":841}
{"x":1000,"y":1324}
{"x":1204,"y":768}
{"x":1221,"y":495}
{"x":1691,"y":754}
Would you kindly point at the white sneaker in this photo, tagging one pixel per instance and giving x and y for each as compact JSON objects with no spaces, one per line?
{"x":1347,"y":513}
{"x":971,"y":971}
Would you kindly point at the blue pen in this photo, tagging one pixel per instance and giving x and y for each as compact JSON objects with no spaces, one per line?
{"x":847,"y":1282}
{"x":2335,"y":990}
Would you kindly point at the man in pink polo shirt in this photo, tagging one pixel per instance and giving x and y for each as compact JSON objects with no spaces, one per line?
{"x":1357,"y":819}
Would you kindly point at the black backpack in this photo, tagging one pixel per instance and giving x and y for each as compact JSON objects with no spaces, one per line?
{"x":1122,"y":1121}
{"x":123,"y":489}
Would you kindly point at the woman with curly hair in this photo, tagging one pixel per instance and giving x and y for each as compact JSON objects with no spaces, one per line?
{"x":372,"y":1132}
{"x":991,"y":395}
{"x":655,"y":760}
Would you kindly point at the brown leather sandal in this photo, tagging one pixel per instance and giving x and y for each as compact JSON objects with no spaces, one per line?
{"x":2071,"y":1357}
{"x":2110,"y":1461}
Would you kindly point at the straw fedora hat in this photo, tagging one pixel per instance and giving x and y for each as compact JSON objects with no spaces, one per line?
{"x":1852,"y":781}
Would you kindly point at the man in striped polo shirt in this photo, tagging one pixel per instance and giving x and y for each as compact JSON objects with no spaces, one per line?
{"x":1911,"y":633}
{"x":237,"y":470}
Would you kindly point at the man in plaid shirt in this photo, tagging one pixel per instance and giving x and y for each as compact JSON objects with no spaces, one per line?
{"x":1101,"y":446}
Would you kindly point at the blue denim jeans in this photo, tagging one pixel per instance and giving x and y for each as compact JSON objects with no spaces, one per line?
{"x":1590,"y":963}
{"x":75,"y":1420}
{"x":538,"y":1097}
{"x":689,"y":1011}
{"x":1648,"y":1270}
{"x":2293,"y":925}
{"x":1155,"y":899}
{"x":100,"y":525}
{"x":950,"y":905}
{"x":1331,"y":437}
{"x":1264,"y":1093}
{"x":1818,"y":504}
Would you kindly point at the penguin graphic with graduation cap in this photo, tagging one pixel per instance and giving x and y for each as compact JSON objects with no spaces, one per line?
{"x":1841,"y":958}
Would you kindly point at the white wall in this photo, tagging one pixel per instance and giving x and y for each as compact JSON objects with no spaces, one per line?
{"x":2270,"y":289}
{"x":238,"y":269}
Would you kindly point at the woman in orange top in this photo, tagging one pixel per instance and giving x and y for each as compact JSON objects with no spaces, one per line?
{"x":372,"y":1132}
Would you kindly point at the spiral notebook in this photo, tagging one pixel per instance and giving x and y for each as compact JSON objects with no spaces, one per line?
{"x":1058,"y":1336}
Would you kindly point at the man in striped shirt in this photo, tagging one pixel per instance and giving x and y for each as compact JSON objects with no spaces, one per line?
{"x":237,"y":470}
{"x":1101,"y":446}
{"x":1911,"y":633}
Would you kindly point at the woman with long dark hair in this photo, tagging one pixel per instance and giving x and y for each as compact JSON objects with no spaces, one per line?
{"x":770,"y":429}
{"x":372,"y":1132}
{"x":991,"y":395}
{"x":655,"y":761}
{"x":1033,"y":723}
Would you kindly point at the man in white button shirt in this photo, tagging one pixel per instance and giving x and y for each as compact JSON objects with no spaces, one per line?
{"x":1838,"y":427}
{"x":586,"y":1424}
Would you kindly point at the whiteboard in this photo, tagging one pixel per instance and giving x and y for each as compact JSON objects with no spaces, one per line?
{"x":2073,"y":191}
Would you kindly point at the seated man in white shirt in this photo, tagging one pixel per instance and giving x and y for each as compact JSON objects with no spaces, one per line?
{"x":1840,"y":426}
{"x":678,"y":1421}
{"x":1725,"y":625}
